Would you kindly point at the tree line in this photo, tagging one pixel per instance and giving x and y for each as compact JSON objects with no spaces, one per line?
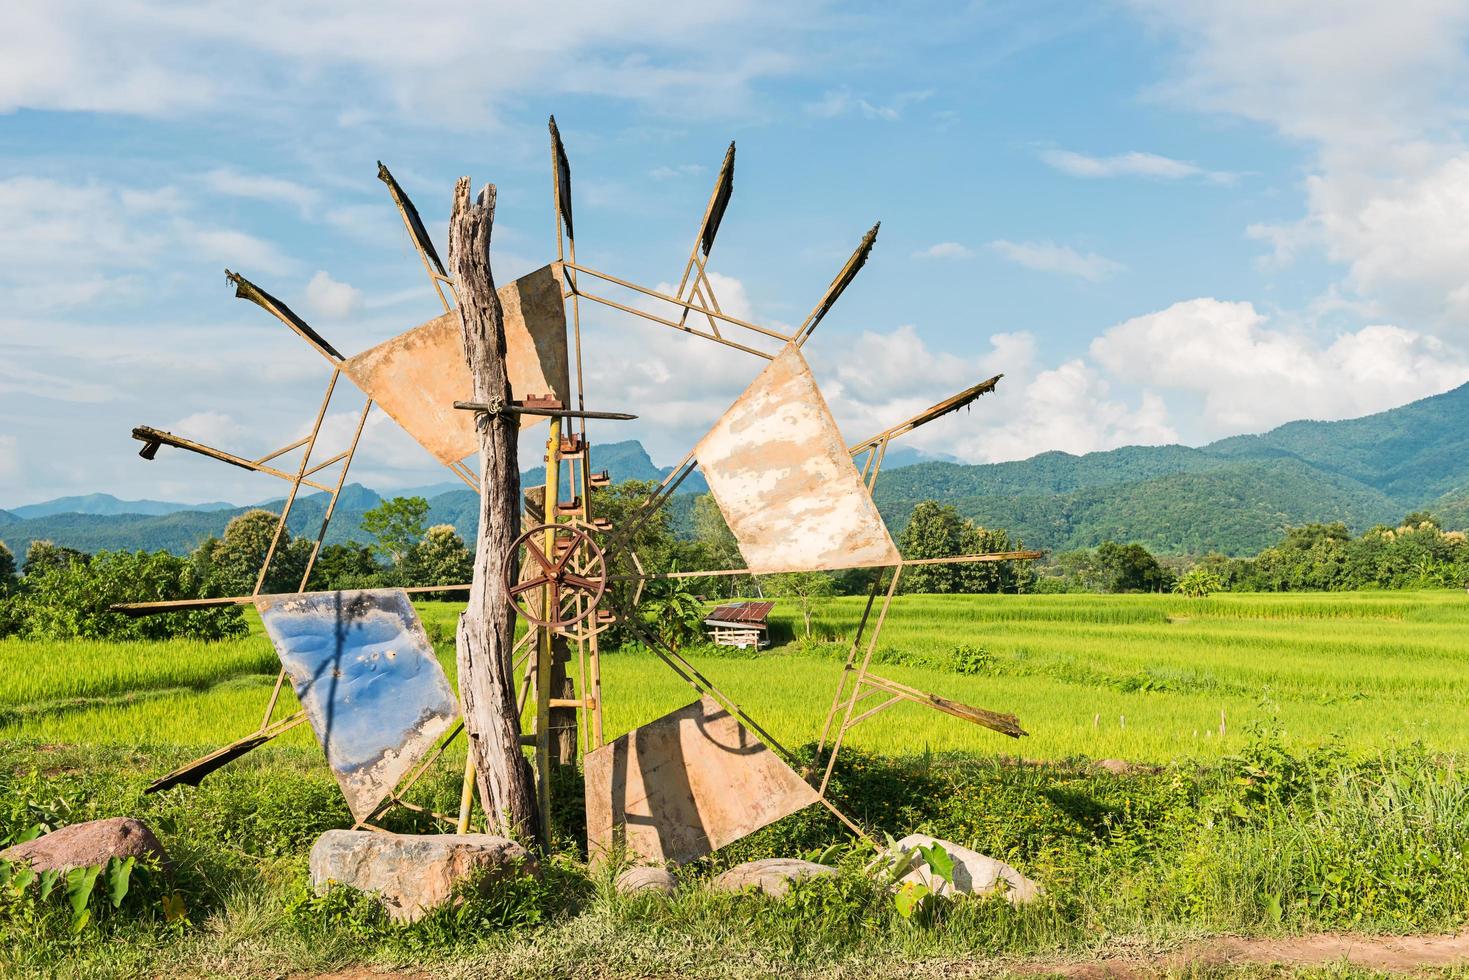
{"x":62,"y":593}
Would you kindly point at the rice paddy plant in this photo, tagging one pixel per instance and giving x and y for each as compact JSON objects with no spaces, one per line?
{"x":1146,"y":678}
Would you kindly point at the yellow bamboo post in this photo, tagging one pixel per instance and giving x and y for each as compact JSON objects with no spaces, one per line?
{"x":544,"y":651}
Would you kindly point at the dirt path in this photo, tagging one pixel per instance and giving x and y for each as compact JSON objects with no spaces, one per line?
{"x":1389,"y":954}
{"x":1392,"y":954}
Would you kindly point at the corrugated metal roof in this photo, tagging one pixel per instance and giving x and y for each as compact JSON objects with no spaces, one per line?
{"x":752,"y":613}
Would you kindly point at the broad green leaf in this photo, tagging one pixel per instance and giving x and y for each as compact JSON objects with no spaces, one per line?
{"x":938,"y":860}
{"x":909,"y":897}
{"x":79,"y":885}
{"x":119,"y":873}
{"x":79,"y":920}
{"x":48,"y":882}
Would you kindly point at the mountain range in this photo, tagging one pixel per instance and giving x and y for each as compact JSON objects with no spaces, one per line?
{"x":1235,"y":496}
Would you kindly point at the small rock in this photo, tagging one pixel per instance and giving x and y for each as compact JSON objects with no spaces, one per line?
{"x":1117,"y":767}
{"x":773,"y":876}
{"x":657,"y":880}
{"x":412,"y":873}
{"x":81,"y":845}
{"x":974,"y":873}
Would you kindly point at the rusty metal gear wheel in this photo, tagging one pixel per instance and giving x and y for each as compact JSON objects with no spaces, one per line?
{"x":575,"y":572}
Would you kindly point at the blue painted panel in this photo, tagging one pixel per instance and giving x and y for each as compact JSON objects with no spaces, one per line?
{"x":365,"y":672}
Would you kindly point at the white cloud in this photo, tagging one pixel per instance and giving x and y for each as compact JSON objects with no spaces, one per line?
{"x":673,"y":173}
{"x":1377,"y":92}
{"x":945,"y":250}
{"x":1134,"y":164}
{"x":1252,"y":376}
{"x":9,"y":461}
{"x":883,"y":378}
{"x":453,"y":62}
{"x":333,"y":300}
{"x":236,"y":249}
{"x":258,"y":187}
{"x":1355,"y":74}
{"x":213,"y":428}
{"x":842,"y":102}
{"x":66,"y":245}
{"x":1050,"y":257}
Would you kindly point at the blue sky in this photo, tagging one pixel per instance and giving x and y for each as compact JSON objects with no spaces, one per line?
{"x":1162,"y":221}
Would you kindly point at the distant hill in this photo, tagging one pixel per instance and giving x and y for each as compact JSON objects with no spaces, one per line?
{"x":1235,"y":509}
{"x":107,"y":504}
{"x":1414,"y":454}
{"x":1235,"y":496}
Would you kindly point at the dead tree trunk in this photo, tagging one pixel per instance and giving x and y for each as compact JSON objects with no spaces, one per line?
{"x":487,"y":627}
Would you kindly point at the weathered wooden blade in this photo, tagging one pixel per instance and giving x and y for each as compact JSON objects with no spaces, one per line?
{"x":415,"y":223}
{"x":723,"y":188}
{"x":369,"y":683}
{"x":191,"y":773}
{"x":778,"y":469}
{"x":417,"y":376}
{"x":245,"y":289}
{"x":993,"y":720}
{"x":563,"y":178}
{"x":686,"y":785}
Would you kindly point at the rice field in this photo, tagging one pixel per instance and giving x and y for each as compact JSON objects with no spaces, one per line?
{"x":1144,"y":678}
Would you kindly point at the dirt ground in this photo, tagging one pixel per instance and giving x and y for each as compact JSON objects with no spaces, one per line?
{"x":1390,"y":954}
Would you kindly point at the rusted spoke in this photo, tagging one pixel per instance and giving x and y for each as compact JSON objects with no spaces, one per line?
{"x":540,"y":557}
{"x":535,"y":583}
{"x":578,"y":582}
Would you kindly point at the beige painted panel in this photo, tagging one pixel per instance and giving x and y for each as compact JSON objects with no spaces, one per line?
{"x":687,"y":784}
{"x":779,"y":470}
{"x":417,"y":376}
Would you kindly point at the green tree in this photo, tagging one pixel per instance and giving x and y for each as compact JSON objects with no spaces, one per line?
{"x":1198,"y":583}
{"x":1008,"y":577}
{"x":43,"y":555}
{"x":441,"y":558}
{"x":7,"y":569}
{"x":396,"y":525}
{"x":1130,"y":568}
{"x":231,"y":564}
{"x":70,"y":600}
{"x":936,"y":530}
{"x":716,"y":548}
{"x":803,"y":588}
{"x":346,"y":566}
{"x":672,"y":612}
{"x":653,"y":543}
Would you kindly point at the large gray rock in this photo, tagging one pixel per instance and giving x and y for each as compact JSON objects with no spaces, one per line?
{"x":82,"y":845}
{"x":773,"y":876}
{"x":413,"y":873}
{"x":655,"y":880}
{"x":974,"y":873}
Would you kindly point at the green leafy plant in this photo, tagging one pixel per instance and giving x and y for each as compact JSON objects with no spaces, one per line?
{"x":969,"y":659}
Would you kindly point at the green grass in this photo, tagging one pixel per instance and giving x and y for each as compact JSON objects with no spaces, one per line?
{"x":1146,"y":678}
{"x":1278,"y":838}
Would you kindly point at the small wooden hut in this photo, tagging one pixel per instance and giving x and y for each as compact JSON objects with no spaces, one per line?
{"x":740,"y":624}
